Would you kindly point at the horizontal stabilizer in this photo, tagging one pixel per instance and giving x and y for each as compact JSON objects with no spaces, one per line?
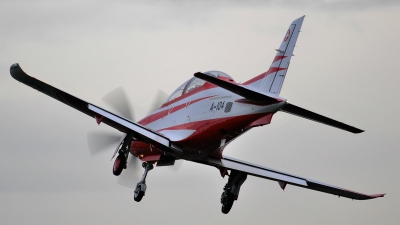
{"x":295,"y":110}
{"x":237,"y":89}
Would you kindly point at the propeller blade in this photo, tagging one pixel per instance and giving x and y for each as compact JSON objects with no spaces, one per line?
{"x":160,"y":98}
{"x":132,"y":174}
{"x":118,"y":99}
{"x":102,"y":141}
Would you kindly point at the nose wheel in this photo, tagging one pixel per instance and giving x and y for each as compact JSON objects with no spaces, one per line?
{"x":141,"y":186}
{"x":139,"y":192}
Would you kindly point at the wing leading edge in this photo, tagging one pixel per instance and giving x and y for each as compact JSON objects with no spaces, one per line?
{"x":284,"y":178}
{"x":102,"y":115}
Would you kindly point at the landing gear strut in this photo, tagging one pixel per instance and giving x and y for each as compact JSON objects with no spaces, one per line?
{"x":123,"y":152}
{"x":231,"y":190}
{"x":141,"y":186}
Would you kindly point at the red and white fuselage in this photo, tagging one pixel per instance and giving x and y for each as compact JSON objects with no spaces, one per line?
{"x":204,"y":119}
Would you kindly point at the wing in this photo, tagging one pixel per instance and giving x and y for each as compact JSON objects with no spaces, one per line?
{"x":284,"y":178}
{"x":101,"y":115}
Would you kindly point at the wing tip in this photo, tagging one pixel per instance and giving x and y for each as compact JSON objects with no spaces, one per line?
{"x":365,"y":196}
{"x":15,"y":70}
{"x":378,"y":195}
{"x":14,"y":66}
{"x":358,"y":131}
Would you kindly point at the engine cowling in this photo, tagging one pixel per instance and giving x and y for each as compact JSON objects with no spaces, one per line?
{"x":145,"y":151}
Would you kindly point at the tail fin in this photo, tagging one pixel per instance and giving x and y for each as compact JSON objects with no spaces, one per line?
{"x":272,"y":80}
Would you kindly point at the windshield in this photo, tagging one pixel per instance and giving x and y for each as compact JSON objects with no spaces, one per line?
{"x":178,"y":92}
{"x":194,"y":83}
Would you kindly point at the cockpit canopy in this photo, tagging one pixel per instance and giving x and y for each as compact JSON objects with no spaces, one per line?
{"x":194,"y":83}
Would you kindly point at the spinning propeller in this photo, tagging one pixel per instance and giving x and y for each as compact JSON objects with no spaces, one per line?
{"x":99,"y":142}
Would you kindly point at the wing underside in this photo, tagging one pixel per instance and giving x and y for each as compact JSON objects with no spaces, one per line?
{"x":101,"y":115}
{"x":284,"y":178}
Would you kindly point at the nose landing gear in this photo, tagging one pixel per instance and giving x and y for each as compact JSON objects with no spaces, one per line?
{"x":141,"y":186}
{"x":231,"y":190}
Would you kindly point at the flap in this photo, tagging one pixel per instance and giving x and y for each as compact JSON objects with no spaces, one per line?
{"x":271,"y":174}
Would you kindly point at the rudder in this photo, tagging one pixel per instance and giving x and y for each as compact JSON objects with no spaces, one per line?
{"x":272,"y":80}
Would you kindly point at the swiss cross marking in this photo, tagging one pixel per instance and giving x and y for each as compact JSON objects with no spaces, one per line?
{"x":287,"y":35}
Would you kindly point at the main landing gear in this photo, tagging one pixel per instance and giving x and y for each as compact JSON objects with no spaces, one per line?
{"x":120,"y":163}
{"x":123,"y":152}
{"x":141,"y":186}
{"x":231,"y":190}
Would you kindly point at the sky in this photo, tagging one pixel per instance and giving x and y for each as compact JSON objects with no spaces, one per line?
{"x":345,"y":67}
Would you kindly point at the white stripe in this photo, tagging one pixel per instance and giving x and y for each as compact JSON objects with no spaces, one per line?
{"x":263,"y":172}
{"x":177,"y":135}
{"x":133,"y":126}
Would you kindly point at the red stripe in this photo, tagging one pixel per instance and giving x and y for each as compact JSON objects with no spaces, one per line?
{"x":207,"y":136}
{"x":197,"y":100}
{"x":261,"y":76}
{"x":262,"y":121}
{"x":159,"y":115}
{"x":254,"y":79}
{"x":231,"y":121}
{"x":279,"y":57}
{"x":177,"y":108}
{"x":274,"y":70}
{"x":153,"y":117}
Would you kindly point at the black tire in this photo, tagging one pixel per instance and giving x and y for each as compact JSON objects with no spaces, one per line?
{"x":227,"y":204}
{"x":138,"y":194}
{"x":119,"y":165}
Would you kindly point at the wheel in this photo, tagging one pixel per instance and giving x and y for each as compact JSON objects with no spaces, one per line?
{"x":138,"y":194}
{"x":119,"y":165}
{"x":227,"y":203}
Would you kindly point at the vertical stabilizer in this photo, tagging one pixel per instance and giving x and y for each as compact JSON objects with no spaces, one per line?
{"x":272,"y":80}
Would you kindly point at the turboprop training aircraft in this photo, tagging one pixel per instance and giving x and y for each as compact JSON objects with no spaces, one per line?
{"x":203,"y":116}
